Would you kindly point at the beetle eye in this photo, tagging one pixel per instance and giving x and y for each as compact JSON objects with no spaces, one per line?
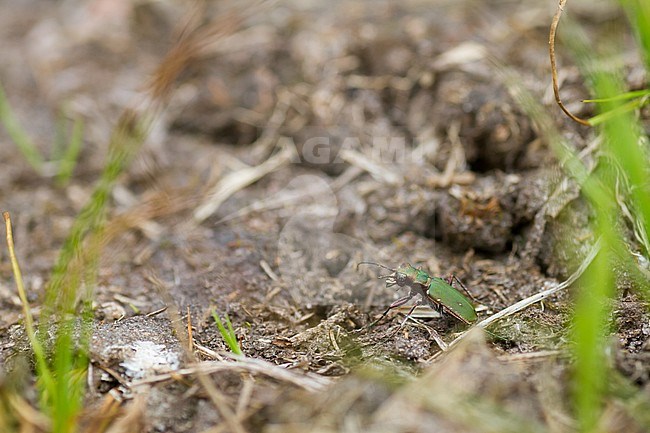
{"x":400,"y":279}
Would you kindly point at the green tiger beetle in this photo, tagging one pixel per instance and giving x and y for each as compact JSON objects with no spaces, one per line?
{"x":437,"y":293}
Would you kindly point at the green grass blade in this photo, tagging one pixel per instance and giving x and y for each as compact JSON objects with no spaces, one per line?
{"x":621,"y":97}
{"x":590,"y":370}
{"x":65,"y":402}
{"x":228,"y":335}
{"x":77,"y":263}
{"x":623,"y":140}
{"x":61,"y":291}
{"x":608,"y":115}
{"x":70,"y":155}
{"x":638,"y":12}
{"x":18,"y":134}
{"x":46,"y":380}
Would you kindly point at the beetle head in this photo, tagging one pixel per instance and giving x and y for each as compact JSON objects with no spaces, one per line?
{"x":396,"y":278}
{"x":400,"y":278}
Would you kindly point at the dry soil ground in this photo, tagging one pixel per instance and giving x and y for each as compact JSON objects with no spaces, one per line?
{"x":302,"y":139}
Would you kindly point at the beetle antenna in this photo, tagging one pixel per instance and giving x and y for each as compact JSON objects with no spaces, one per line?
{"x":375,"y":264}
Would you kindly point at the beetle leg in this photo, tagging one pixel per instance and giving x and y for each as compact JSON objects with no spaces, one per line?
{"x":401,"y":301}
{"x":451,"y":278}
{"x":418,"y":302}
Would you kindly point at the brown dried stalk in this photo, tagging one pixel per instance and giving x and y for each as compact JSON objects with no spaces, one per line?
{"x":551,"y":52}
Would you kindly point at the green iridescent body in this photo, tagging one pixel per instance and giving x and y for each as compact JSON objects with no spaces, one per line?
{"x":438,"y":293}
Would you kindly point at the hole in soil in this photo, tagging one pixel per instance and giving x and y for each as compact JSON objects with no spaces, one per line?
{"x":222,"y":130}
{"x":236,"y":133}
{"x":321,"y":312}
{"x":457,"y":240}
{"x":489,"y":156}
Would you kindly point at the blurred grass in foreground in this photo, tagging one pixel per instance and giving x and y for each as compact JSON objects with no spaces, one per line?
{"x":618,"y":190}
{"x":621,"y":201}
{"x":60,"y":344}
